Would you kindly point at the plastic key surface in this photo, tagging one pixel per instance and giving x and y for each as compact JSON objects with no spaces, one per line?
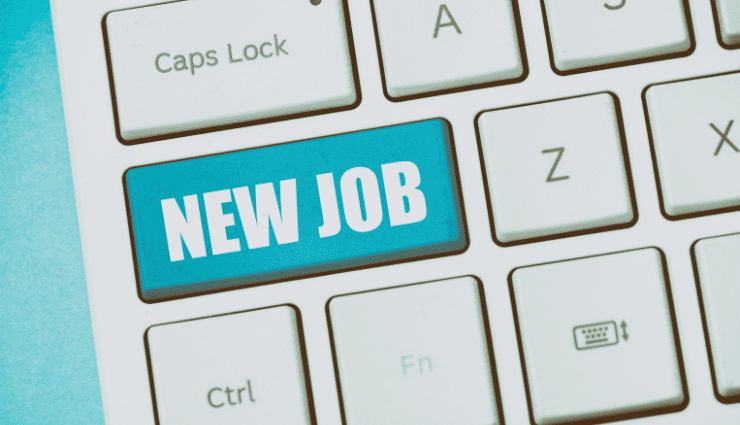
{"x":555,"y":168}
{"x":719,"y":277}
{"x":695,"y":132}
{"x":621,"y":303}
{"x":191,"y":65}
{"x":230,"y":370}
{"x":427,"y":47}
{"x":587,"y":34}
{"x":294,"y":210}
{"x":728,"y":15}
{"x":414,"y":355}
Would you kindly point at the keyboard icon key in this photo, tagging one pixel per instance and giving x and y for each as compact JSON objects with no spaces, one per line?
{"x":610,"y":375}
{"x":595,"y":335}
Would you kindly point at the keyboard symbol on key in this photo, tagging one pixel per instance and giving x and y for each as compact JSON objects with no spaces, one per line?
{"x":595,"y":335}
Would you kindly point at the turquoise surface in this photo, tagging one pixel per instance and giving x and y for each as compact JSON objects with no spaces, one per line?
{"x":48,"y":372}
{"x":425,"y":145}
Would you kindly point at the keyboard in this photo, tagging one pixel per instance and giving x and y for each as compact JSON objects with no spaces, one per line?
{"x":374,"y":212}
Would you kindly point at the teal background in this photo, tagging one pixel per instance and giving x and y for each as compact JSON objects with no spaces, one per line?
{"x":48,"y":372}
{"x":427,"y":144}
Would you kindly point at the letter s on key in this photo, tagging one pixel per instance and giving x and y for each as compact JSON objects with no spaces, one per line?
{"x":619,"y":6}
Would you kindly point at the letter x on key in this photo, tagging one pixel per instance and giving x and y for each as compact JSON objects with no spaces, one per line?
{"x":724,"y":137}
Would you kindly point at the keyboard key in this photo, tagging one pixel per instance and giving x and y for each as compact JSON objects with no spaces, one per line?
{"x":295,"y":210}
{"x":604,"y":33}
{"x":232,"y":369}
{"x":718,"y":272}
{"x":415,"y":354}
{"x":428,"y":47}
{"x":728,"y":17}
{"x":555,"y":168}
{"x":598,"y":338}
{"x":695,"y":129}
{"x":189,"y":66}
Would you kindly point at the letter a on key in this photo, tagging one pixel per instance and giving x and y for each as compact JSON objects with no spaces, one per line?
{"x":451,"y":23}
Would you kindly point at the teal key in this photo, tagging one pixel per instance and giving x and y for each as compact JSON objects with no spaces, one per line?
{"x":295,"y":210}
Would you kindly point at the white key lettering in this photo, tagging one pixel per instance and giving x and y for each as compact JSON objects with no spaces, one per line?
{"x":187,"y":227}
{"x":370,"y":199}
{"x":329,"y":207}
{"x":218,"y":222}
{"x":284,"y":220}
{"x":397,"y":193}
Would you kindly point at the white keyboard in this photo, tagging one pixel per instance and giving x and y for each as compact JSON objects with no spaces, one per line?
{"x":374,"y":212}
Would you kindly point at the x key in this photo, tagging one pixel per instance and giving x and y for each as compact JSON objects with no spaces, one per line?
{"x":724,"y":137}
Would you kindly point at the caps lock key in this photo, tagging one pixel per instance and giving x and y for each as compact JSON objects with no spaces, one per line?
{"x":195,"y":66}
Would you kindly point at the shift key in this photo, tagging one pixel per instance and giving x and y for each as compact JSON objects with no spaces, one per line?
{"x":194,"y":66}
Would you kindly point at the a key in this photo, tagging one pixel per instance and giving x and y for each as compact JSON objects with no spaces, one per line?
{"x":695,"y":133}
{"x":415,"y":354}
{"x":728,"y":21}
{"x":428,"y":47}
{"x":189,"y":66}
{"x":295,"y":210}
{"x":717,"y":268}
{"x":555,"y":168}
{"x":598,"y":338}
{"x":603,"y":33}
{"x":231,"y":369}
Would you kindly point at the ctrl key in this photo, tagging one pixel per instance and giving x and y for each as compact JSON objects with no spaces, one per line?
{"x":232,"y":369}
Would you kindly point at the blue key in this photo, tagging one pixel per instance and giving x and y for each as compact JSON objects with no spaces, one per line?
{"x":295,"y":210}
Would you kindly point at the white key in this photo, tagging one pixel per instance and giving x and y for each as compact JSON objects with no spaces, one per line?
{"x":719,"y":275}
{"x":601,"y":32}
{"x":414,"y":355}
{"x":728,"y":14}
{"x":635,"y":373}
{"x":695,"y":129}
{"x":196,"y":64}
{"x":429,"y":46}
{"x":554,"y":168}
{"x":233,"y":369}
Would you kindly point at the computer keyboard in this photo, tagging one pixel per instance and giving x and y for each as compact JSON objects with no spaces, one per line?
{"x":373,"y":212}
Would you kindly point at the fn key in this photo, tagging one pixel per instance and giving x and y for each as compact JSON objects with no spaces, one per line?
{"x":189,"y":66}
